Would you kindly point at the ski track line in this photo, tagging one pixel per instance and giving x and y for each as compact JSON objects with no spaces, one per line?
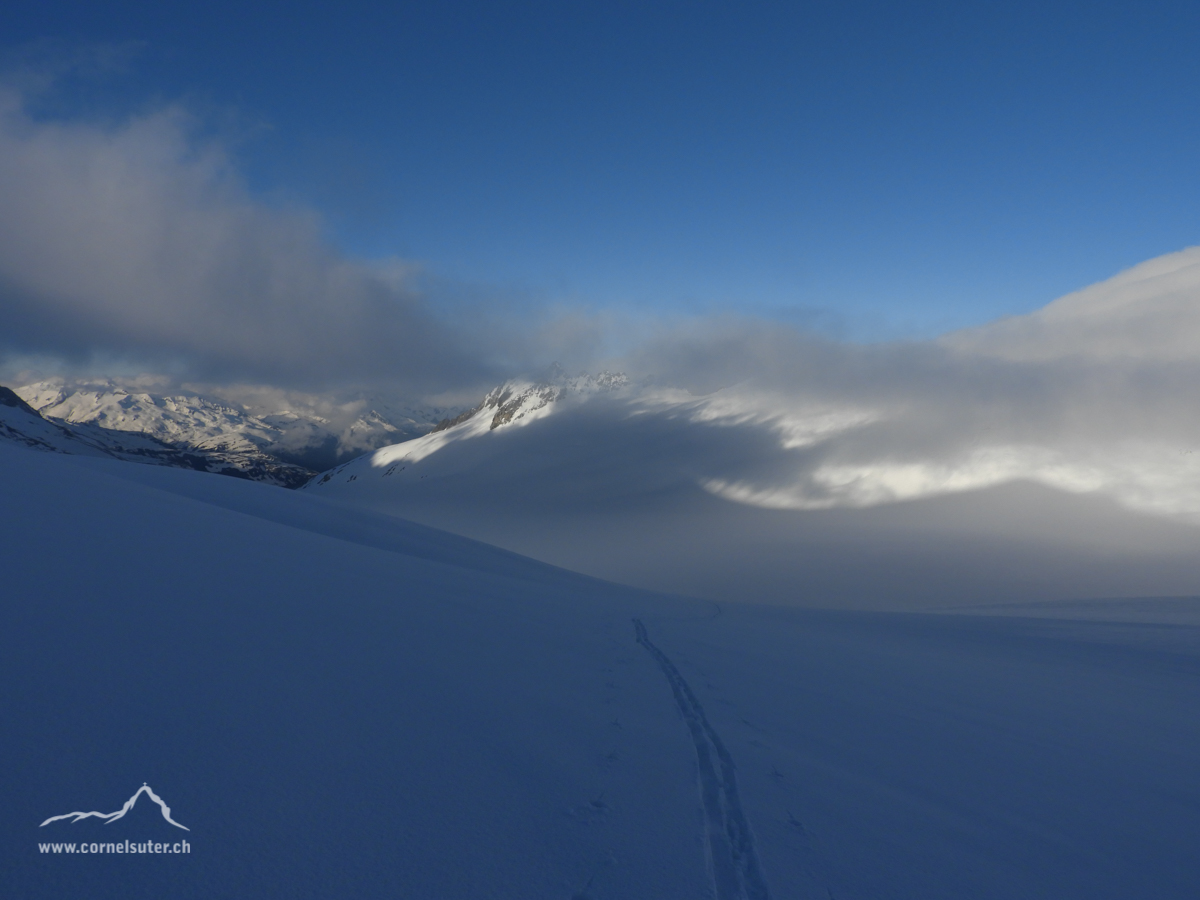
{"x":732,"y":859}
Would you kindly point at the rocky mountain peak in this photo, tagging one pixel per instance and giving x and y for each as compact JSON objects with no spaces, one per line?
{"x":516,"y":399}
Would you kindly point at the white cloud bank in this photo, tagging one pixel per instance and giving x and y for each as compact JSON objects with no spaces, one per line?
{"x":1149,"y":313}
{"x":1097,"y":392}
{"x":136,"y":240}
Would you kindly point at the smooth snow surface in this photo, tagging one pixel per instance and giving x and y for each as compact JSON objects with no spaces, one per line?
{"x":342,"y":704}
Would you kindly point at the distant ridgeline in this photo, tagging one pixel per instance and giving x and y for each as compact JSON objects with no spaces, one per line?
{"x":285,"y":447}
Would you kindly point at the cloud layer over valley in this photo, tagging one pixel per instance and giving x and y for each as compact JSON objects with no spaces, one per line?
{"x":761,"y":463}
{"x":1096,"y":392}
{"x":134,"y":240}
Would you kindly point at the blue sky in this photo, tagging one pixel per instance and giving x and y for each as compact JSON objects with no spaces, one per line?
{"x":878,"y":170}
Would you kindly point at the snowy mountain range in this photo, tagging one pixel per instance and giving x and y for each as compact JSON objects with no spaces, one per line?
{"x":281,"y":443}
{"x":21,"y":423}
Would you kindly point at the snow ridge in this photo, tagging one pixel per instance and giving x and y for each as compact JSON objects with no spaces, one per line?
{"x":517,"y":400}
{"x":732,"y":858}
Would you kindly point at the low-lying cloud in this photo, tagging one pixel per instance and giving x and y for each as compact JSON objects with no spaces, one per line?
{"x":136,"y":240}
{"x":1096,"y":392}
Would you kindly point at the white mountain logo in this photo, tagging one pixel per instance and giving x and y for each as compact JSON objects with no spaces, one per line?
{"x":113,"y":816}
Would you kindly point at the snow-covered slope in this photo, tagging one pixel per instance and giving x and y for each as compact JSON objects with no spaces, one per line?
{"x":337,"y":703}
{"x":23,"y":425}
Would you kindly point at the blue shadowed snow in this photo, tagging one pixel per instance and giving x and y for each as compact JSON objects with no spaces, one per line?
{"x":346,"y":705}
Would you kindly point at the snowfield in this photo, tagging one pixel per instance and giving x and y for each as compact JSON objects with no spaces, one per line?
{"x":339,"y":703}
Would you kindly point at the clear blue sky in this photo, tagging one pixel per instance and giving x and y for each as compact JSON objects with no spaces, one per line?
{"x":896,"y":168}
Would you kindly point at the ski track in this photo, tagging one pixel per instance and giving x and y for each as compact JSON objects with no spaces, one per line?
{"x":733,"y":861}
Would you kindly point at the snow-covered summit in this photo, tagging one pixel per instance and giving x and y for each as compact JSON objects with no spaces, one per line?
{"x":521,"y":400}
{"x":515,"y":403}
